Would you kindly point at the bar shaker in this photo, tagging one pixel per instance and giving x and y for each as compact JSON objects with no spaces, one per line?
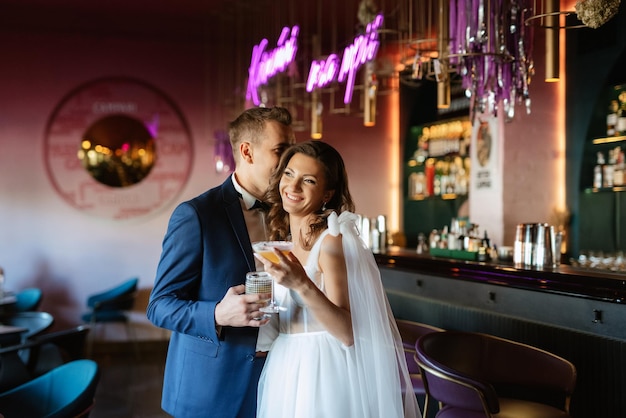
{"x":524,"y":244}
{"x":543,"y":246}
{"x":537,"y":245}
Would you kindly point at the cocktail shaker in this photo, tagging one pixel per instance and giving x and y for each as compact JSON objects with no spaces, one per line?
{"x":524,"y":245}
{"x":543,"y":247}
{"x":536,"y":246}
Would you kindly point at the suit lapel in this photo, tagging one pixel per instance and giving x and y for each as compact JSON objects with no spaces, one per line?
{"x":237,"y":221}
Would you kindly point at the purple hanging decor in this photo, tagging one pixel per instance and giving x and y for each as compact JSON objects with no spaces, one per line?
{"x":491,"y":49}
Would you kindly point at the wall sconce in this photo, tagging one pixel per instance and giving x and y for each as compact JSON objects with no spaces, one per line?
{"x":316,"y":116}
{"x":369,"y":96}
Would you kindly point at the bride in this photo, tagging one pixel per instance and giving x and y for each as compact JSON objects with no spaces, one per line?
{"x":338,"y":353}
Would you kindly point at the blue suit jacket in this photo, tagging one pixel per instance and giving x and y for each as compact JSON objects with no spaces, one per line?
{"x":206,"y":250}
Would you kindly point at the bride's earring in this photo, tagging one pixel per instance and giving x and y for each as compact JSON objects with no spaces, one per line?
{"x":323,"y":206}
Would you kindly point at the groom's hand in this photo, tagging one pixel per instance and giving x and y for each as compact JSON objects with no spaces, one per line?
{"x":236,"y":309}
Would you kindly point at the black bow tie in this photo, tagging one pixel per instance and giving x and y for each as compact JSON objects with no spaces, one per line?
{"x":260,"y":205}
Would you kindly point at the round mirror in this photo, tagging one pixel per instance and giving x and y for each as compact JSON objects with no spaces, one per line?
{"x":133,"y":144}
{"x":117,"y":151}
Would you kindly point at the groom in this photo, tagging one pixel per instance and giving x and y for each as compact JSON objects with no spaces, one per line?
{"x":216,"y":350}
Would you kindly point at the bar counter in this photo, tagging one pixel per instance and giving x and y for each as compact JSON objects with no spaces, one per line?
{"x":576,"y":313}
{"x":578,"y":282}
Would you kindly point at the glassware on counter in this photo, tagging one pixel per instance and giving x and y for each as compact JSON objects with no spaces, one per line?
{"x":599,"y":260}
{"x":422,"y":246}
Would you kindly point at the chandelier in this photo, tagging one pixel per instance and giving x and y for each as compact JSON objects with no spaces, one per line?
{"x":490,"y":47}
{"x":484,"y":43}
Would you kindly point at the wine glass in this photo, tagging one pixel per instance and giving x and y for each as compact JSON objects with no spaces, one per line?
{"x":265,"y":248}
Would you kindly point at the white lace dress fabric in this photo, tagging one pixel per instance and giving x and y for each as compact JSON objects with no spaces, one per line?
{"x":309,"y":373}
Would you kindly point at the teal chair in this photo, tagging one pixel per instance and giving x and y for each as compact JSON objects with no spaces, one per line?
{"x":27,"y":300}
{"x":112,"y":306}
{"x":34,"y":322}
{"x":13,"y":370}
{"x":66,"y":391}
{"x":53,"y":349}
{"x":22,"y":362}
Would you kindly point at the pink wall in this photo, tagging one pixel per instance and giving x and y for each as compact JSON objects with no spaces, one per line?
{"x":534,"y":154}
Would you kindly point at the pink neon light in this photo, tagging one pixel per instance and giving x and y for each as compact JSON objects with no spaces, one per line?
{"x":363,"y":49}
{"x":265,"y":65}
{"x":322,"y":72}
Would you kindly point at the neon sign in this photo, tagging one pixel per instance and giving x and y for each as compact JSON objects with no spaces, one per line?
{"x":266,"y":64}
{"x":363,"y":49}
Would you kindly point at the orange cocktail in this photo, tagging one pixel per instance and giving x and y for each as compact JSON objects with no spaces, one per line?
{"x":266,"y":249}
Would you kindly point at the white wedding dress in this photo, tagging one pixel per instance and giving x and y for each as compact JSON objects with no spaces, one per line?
{"x":309,"y":373}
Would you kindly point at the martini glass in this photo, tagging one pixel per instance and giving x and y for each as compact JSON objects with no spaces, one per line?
{"x":266,"y":249}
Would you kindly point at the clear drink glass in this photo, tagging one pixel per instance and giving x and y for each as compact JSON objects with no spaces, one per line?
{"x":259,"y":282}
{"x":266,"y":249}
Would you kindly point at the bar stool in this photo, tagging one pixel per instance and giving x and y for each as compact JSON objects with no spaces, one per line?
{"x":475,"y":375}
{"x":410,"y":332}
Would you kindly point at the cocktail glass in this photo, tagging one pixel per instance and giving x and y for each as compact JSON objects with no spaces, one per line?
{"x":266,"y":249}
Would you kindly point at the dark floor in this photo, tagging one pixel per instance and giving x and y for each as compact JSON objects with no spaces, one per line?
{"x":130,"y":385}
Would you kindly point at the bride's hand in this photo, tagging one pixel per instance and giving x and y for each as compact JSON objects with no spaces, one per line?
{"x":289,"y":272}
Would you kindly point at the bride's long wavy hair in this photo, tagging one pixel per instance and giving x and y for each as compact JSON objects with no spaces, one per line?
{"x":336,"y":179}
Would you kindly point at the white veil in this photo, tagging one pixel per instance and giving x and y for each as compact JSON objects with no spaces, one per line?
{"x":381,"y":367}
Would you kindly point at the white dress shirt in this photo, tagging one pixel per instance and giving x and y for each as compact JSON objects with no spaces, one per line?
{"x":255,"y":223}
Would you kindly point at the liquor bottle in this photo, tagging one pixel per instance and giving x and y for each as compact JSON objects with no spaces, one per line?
{"x":437,"y":179}
{"x":621,"y":115}
{"x":611,"y":118}
{"x":618,"y":171}
{"x":607,"y":173}
{"x":429,"y":171}
{"x":598,"y":171}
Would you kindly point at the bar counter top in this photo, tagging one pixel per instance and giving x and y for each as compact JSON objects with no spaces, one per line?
{"x":566,"y":280}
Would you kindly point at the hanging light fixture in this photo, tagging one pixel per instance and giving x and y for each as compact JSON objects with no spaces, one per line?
{"x":369,"y":96}
{"x":552,"y":40}
{"x":441,"y":65}
{"x":316,"y":116}
{"x":546,"y":15}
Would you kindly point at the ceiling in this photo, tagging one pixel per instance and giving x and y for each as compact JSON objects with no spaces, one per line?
{"x":186,"y":20}
{"x":229,"y":28}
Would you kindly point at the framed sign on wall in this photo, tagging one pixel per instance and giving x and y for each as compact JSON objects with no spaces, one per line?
{"x":117,"y":148}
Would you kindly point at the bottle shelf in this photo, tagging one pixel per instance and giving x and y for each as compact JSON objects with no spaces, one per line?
{"x":445,"y":196}
{"x":609,"y":140}
{"x":613,"y":189}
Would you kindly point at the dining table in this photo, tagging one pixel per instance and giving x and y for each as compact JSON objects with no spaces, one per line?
{"x":7,"y":300}
{"x":10,"y":335}
{"x":13,"y":370}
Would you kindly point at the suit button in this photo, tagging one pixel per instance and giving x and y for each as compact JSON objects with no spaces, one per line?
{"x":250,"y":357}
